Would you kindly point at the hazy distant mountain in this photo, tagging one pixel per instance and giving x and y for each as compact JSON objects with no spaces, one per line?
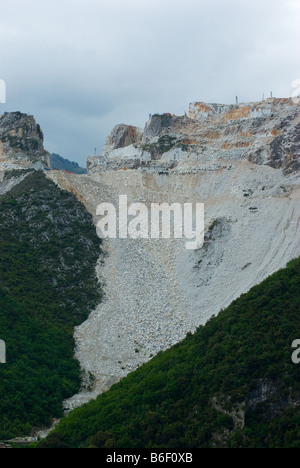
{"x":60,"y":163}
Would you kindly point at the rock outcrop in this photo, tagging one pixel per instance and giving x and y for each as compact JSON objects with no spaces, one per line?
{"x":21,"y":143}
{"x":121,"y":144}
{"x":123,"y":135}
{"x":266,"y":133}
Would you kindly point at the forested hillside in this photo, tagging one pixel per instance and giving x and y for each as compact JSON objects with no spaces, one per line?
{"x":48,"y":254}
{"x":231,"y":384}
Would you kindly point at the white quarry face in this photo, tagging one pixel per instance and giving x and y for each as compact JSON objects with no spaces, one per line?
{"x":265,"y":132}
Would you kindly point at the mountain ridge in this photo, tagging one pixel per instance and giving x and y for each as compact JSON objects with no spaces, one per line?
{"x":264,"y":132}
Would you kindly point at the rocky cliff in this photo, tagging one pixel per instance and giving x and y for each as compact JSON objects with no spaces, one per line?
{"x":242,"y":162}
{"x":264,"y":133}
{"x":21,"y":143}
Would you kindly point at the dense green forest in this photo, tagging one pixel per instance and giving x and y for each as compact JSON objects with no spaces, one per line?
{"x":48,"y":253}
{"x":231,"y":384}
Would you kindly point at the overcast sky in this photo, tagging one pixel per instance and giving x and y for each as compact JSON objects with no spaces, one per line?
{"x":83,"y":66}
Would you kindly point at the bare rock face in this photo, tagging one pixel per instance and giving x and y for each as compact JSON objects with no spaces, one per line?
{"x":21,"y":143}
{"x":162,"y":124}
{"x":123,"y":135}
{"x":121,"y":150}
{"x":264,"y":133}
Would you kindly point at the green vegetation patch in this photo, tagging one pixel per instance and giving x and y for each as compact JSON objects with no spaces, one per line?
{"x":48,"y":251}
{"x":28,"y":145}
